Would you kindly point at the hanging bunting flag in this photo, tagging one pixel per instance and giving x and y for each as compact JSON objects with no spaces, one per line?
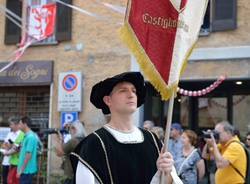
{"x":81,"y":10}
{"x":40,"y":25}
{"x":204,"y":91}
{"x":117,"y":8}
{"x":17,"y":54}
{"x":42,"y":21}
{"x":99,"y":17}
{"x":162,"y":34}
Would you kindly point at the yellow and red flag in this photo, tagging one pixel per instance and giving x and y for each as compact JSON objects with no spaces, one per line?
{"x":162,"y":34}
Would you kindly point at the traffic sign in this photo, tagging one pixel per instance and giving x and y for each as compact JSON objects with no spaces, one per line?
{"x":69,"y":82}
{"x":70,"y":92}
{"x":68,"y":117}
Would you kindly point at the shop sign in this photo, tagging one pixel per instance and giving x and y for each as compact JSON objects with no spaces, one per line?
{"x":28,"y":73}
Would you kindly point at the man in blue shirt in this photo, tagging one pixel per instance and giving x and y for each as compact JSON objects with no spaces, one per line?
{"x":27,"y":165}
{"x":175,"y":144}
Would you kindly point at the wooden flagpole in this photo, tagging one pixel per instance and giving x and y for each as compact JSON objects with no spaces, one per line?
{"x":163,"y":178}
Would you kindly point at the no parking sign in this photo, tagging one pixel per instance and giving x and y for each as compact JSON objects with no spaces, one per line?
{"x":70,"y":92}
{"x":70,"y":82}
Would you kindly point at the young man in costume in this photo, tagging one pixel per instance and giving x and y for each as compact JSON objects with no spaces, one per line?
{"x":119,"y":152}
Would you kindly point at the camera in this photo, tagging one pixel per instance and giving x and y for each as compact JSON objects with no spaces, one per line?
{"x":10,"y":141}
{"x":207,"y":134}
{"x":55,"y":131}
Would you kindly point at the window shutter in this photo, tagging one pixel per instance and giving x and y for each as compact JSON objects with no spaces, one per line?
{"x":224,"y":15}
{"x":64,"y":21}
{"x":12,"y":31}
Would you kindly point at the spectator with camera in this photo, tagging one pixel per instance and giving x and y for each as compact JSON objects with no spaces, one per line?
{"x":229,"y":155}
{"x":63,"y":149}
{"x":207,"y":155}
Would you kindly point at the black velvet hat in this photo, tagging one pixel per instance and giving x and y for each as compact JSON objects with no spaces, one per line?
{"x":105,"y":87}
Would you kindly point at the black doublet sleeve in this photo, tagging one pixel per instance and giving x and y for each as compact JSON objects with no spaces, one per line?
{"x":91,"y":154}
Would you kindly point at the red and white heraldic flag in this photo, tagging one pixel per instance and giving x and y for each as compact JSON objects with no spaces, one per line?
{"x":42,"y":21}
{"x":162,"y":34}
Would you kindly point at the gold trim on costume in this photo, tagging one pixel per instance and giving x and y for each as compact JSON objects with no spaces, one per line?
{"x":157,"y":147}
{"x":106,"y":157}
{"x":87,"y":165}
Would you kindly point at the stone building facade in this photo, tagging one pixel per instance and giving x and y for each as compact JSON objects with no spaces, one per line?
{"x":224,"y":52}
{"x":93,"y":48}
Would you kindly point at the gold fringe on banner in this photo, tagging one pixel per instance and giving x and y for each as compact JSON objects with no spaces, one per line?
{"x":128,"y":37}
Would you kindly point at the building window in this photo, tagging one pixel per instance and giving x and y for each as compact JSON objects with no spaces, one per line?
{"x":221,"y":15}
{"x":211,"y":111}
{"x":25,"y":101}
{"x":63,"y":22}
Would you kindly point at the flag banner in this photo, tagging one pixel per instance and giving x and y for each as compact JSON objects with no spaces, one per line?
{"x":161,"y":34}
{"x":40,"y":25}
{"x":18,"y":54}
{"x":42,"y":21}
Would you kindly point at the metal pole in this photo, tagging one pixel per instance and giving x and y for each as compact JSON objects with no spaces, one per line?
{"x":49,"y":152}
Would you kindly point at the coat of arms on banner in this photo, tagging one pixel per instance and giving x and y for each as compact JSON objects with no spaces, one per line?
{"x":42,"y":21}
